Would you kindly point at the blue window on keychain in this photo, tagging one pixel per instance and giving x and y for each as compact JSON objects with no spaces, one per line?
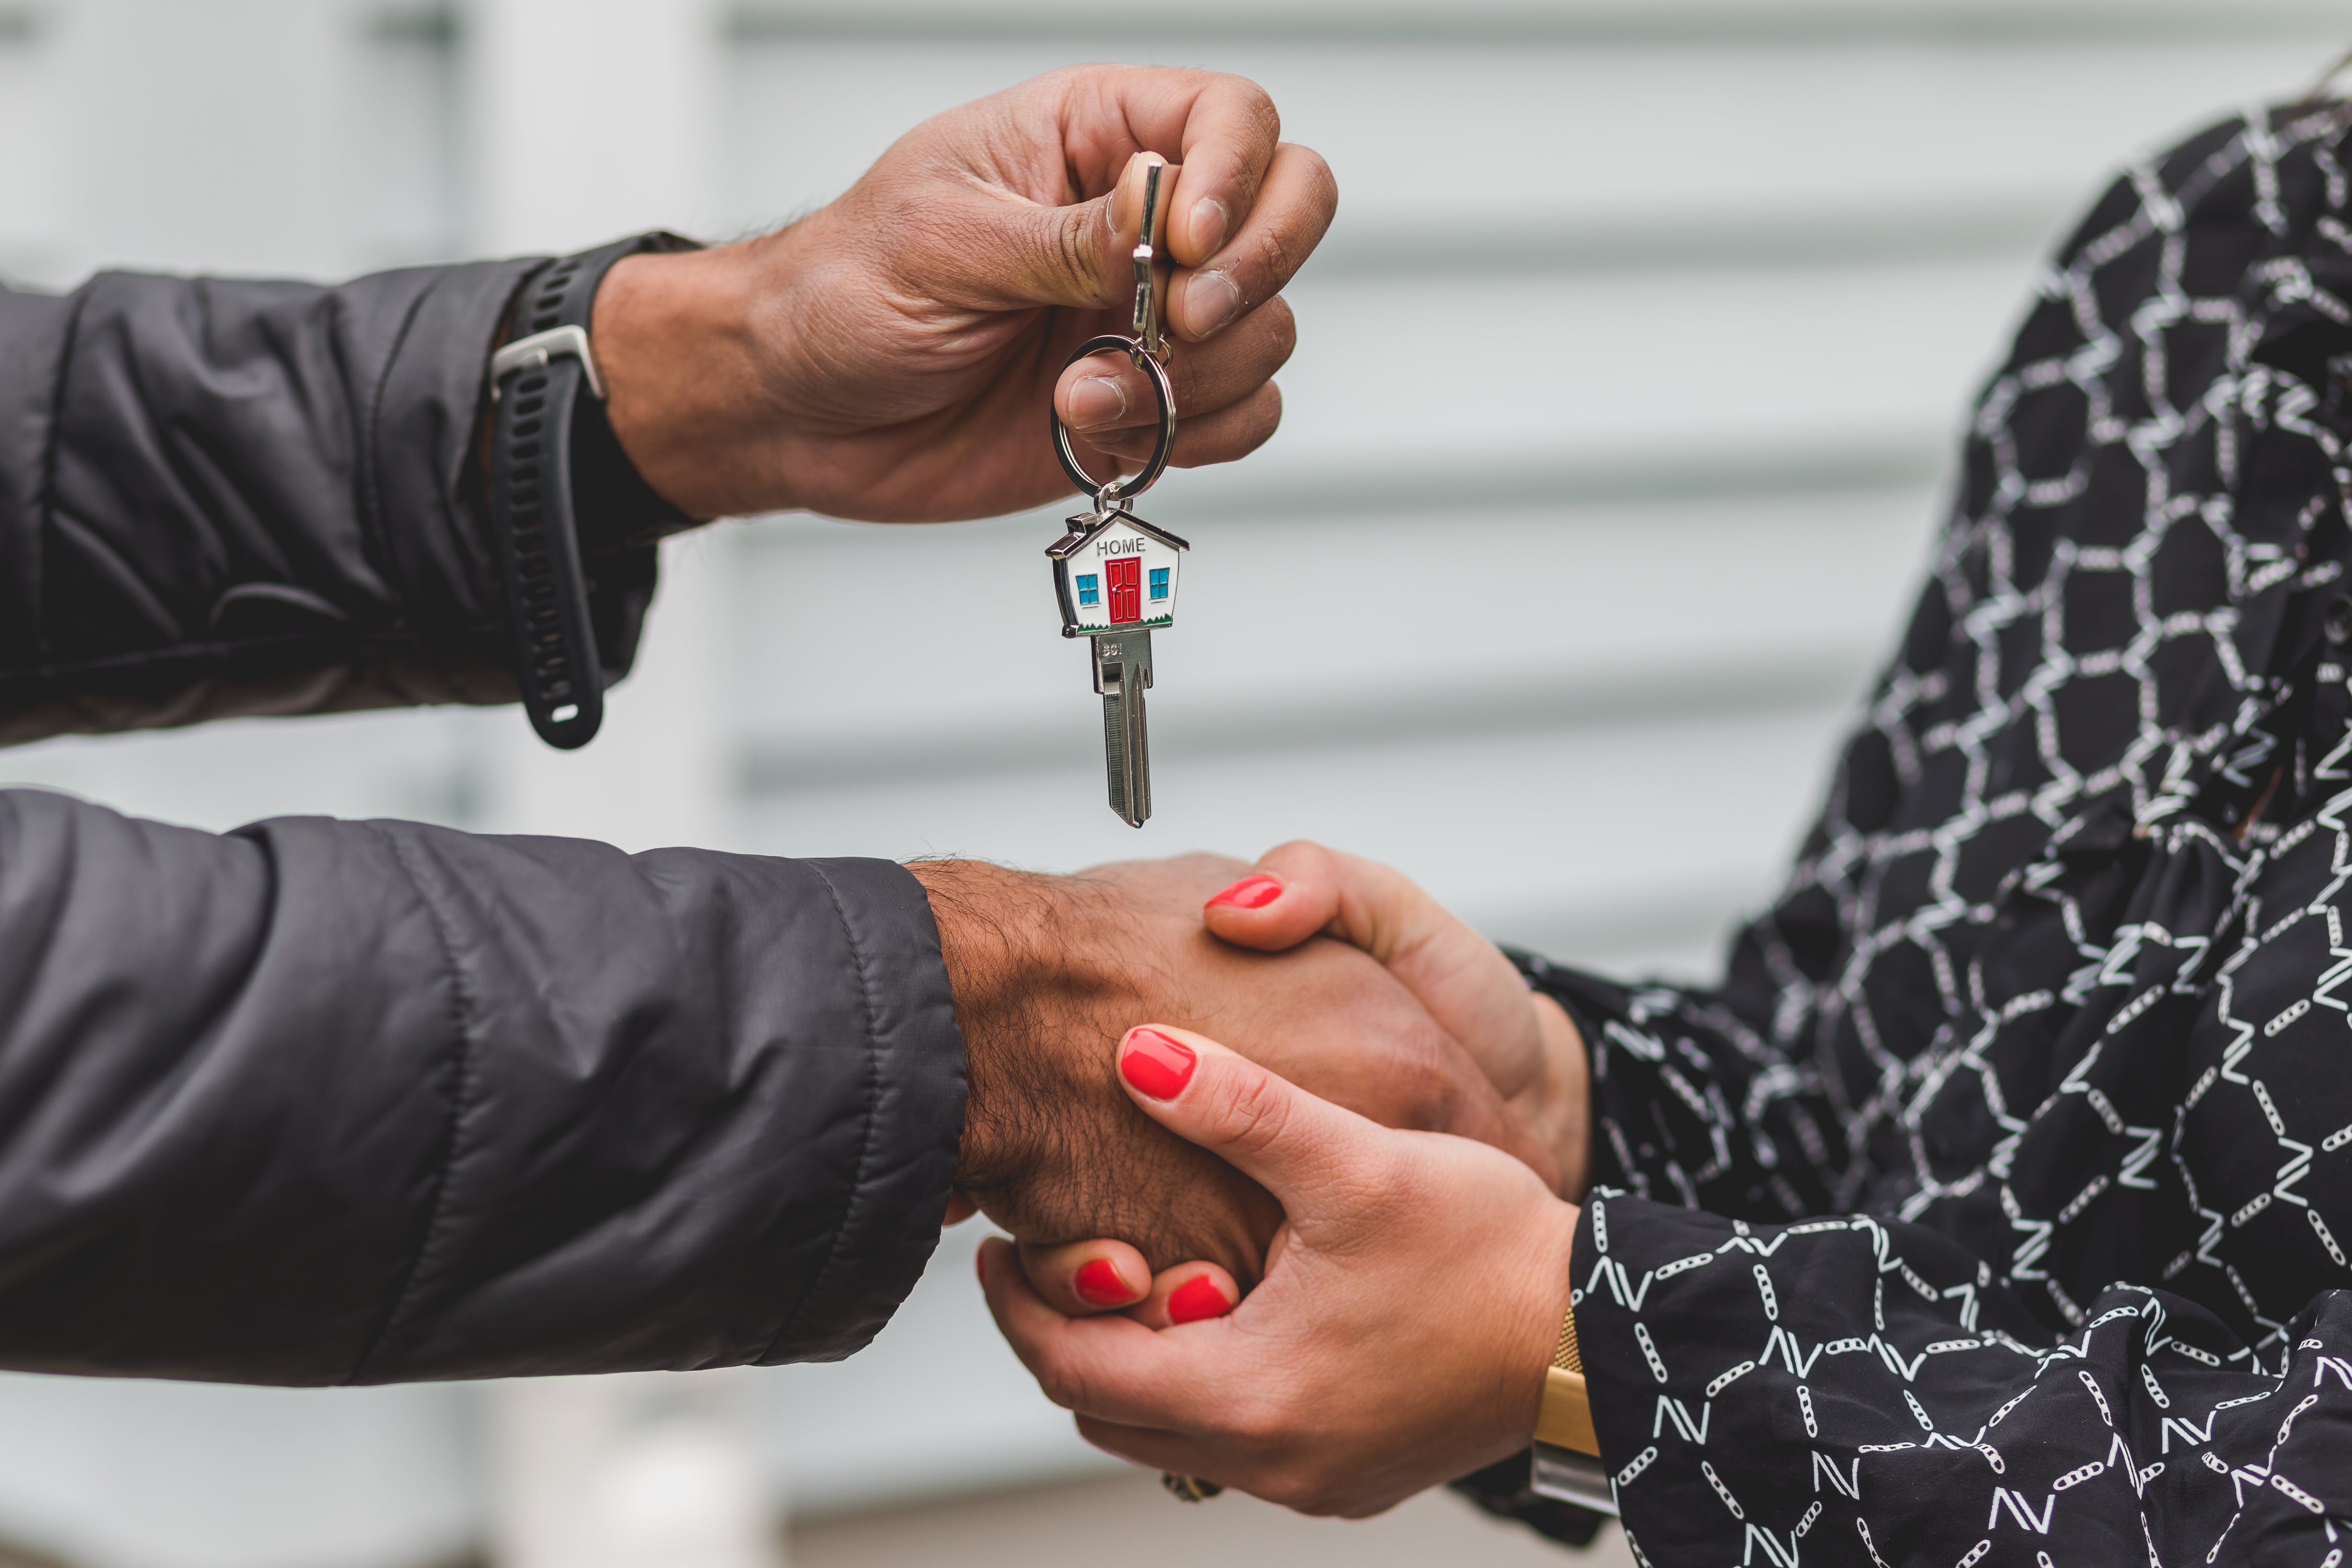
{"x":1089,"y":589}
{"x":1160,"y":581}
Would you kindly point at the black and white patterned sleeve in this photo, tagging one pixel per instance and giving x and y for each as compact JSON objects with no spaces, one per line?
{"x":1708,"y":1098}
{"x":1842,"y":1390}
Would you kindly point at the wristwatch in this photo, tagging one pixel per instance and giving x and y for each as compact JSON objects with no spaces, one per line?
{"x":562,"y":491}
{"x":1567,"y":1460}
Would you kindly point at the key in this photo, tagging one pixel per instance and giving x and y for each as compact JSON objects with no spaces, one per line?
{"x":1115,"y":574}
{"x":1123,"y":674}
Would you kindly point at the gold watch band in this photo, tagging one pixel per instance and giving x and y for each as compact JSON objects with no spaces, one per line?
{"x":1564,"y":1418}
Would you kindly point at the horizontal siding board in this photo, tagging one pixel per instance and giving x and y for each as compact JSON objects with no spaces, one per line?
{"x":1824,"y":464}
{"x":1571,"y":615}
{"x":1796,"y":24}
{"x":1382,"y":244}
{"x":1648,"y":139}
{"x":410,"y":763}
{"x":837,"y":1430}
{"x":1632,"y":366}
{"x":1313,"y":723}
{"x":1494,"y":826}
{"x":32,"y":147}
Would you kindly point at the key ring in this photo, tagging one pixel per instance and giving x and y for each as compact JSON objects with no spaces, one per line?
{"x":1148,"y":348}
{"x":1146,"y":477}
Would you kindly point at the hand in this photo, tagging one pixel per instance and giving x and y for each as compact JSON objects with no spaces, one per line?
{"x":1409,"y":1307}
{"x":1049,"y":972}
{"x":890,"y":357}
{"x":1522,"y":1039}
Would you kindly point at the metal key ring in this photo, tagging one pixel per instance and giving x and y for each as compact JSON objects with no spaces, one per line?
{"x":1146,"y":477}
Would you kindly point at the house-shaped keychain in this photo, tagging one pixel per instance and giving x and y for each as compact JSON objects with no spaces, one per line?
{"x":1116,"y":577}
{"x":1115,"y":574}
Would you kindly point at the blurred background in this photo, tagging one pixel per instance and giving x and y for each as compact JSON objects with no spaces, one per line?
{"x":1624,"y":398}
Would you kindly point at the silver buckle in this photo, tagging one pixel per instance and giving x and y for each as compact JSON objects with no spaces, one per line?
{"x":1566,"y":1476}
{"x":536,"y":351}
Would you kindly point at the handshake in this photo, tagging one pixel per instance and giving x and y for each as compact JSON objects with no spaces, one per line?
{"x":1286,"y":1152}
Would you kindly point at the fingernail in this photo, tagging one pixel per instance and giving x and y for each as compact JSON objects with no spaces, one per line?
{"x":1252,"y":892}
{"x":1211,"y":299}
{"x":1133,"y":174}
{"x":1098,"y":1284}
{"x":1156,"y":1065}
{"x":1208,"y":225}
{"x":1195,"y":1299}
{"x":1097,"y":401}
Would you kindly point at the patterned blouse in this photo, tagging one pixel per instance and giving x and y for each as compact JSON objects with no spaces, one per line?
{"x":1994,"y":1209}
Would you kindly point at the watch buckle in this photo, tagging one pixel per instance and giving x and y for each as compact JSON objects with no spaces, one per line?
{"x":537,"y":351}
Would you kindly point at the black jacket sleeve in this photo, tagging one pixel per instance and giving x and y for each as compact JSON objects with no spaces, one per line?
{"x":222,"y":498}
{"x":323,"y":1102}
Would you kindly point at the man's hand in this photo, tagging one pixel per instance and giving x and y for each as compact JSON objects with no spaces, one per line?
{"x":890,"y":357}
{"x":1411,"y":1303}
{"x":1050,"y":972}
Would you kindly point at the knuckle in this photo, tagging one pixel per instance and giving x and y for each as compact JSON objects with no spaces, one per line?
{"x":1256,"y":1111}
{"x":1274,"y":264}
{"x":1266,"y":418}
{"x":1320,"y":180}
{"x":1281,"y":329}
{"x":1063,"y":1384}
{"x":1281,"y":1488}
{"x":1072,"y":254}
{"x":1270,"y":409}
{"x":1302,"y":854}
{"x":1259,"y":105}
{"x":1260,"y":1423}
{"x":1302,"y":1490}
{"x":1255,"y":106}
{"x":1425,"y":1086}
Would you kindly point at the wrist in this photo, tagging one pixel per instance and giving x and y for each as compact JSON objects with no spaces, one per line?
{"x":1567,"y":1094}
{"x":1018,"y":983}
{"x":1547,"y":1364}
{"x":674,"y":340}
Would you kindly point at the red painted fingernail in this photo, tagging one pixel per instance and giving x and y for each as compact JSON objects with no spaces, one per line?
{"x":1195,"y":1299}
{"x":1099,"y":1285}
{"x":1156,"y":1065}
{"x":1252,"y":892}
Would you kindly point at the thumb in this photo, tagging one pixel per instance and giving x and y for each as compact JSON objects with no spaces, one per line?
{"x":1472,"y":991}
{"x":1302,"y":1150}
{"x":1083,"y":255}
{"x":1301,"y":887}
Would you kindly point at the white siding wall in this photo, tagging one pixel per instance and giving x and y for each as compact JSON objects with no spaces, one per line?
{"x":1621,"y":409}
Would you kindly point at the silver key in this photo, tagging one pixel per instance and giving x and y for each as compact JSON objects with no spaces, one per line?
{"x":1116,"y":576}
{"x":1123,"y":674}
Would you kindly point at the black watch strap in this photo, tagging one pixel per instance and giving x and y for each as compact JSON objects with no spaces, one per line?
{"x":535,"y":382}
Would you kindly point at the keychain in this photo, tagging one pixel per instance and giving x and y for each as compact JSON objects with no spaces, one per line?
{"x":1114,"y":573}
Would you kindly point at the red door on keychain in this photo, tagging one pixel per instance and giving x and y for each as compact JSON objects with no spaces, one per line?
{"x":1126,"y":590}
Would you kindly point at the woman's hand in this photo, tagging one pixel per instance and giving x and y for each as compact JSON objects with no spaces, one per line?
{"x":891,"y":356}
{"x":1520,"y":1038}
{"x":1410,"y":1307}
